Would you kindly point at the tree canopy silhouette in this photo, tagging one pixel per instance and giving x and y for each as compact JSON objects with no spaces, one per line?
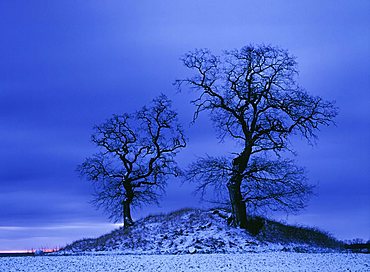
{"x":253,"y":98}
{"x":137,"y":153}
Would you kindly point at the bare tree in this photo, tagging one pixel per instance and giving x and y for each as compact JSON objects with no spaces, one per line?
{"x":253,"y":98}
{"x":137,"y":154}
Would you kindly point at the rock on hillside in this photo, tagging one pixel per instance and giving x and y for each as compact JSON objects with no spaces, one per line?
{"x":196,"y":231}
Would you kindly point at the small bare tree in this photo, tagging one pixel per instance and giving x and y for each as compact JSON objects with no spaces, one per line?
{"x":137,"y":154}
{"x":253,"y":98}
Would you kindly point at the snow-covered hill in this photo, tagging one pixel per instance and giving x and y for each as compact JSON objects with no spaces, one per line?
{"x":197,"y":231}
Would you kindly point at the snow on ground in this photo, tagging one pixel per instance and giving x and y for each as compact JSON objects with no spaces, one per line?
{"x":191,"y":230}
{"x":163,"y":243}
{"x":270,"y":261}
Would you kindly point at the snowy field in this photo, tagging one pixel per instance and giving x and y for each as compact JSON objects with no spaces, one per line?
{"x":272,"y":261}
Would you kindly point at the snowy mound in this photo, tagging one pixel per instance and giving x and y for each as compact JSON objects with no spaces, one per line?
{"x":191,"y":231}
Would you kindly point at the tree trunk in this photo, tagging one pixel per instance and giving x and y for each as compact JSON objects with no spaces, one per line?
{"x":127,"y":220}
{"x":239,"y":211}
{"x":129,"y":196}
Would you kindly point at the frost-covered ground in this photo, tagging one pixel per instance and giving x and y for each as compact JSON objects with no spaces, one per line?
{"x":270,"y":261}
{"x":196,"y":231}
{"x":178,"y":242}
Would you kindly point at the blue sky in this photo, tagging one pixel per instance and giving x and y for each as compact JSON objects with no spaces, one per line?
{"x":67,"y":65}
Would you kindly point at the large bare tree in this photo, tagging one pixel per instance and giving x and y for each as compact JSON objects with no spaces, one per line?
{"x":137,"y":154}
{"x":253,"y":98}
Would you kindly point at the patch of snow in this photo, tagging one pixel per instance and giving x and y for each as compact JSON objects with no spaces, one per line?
{"x":192,"y":250}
